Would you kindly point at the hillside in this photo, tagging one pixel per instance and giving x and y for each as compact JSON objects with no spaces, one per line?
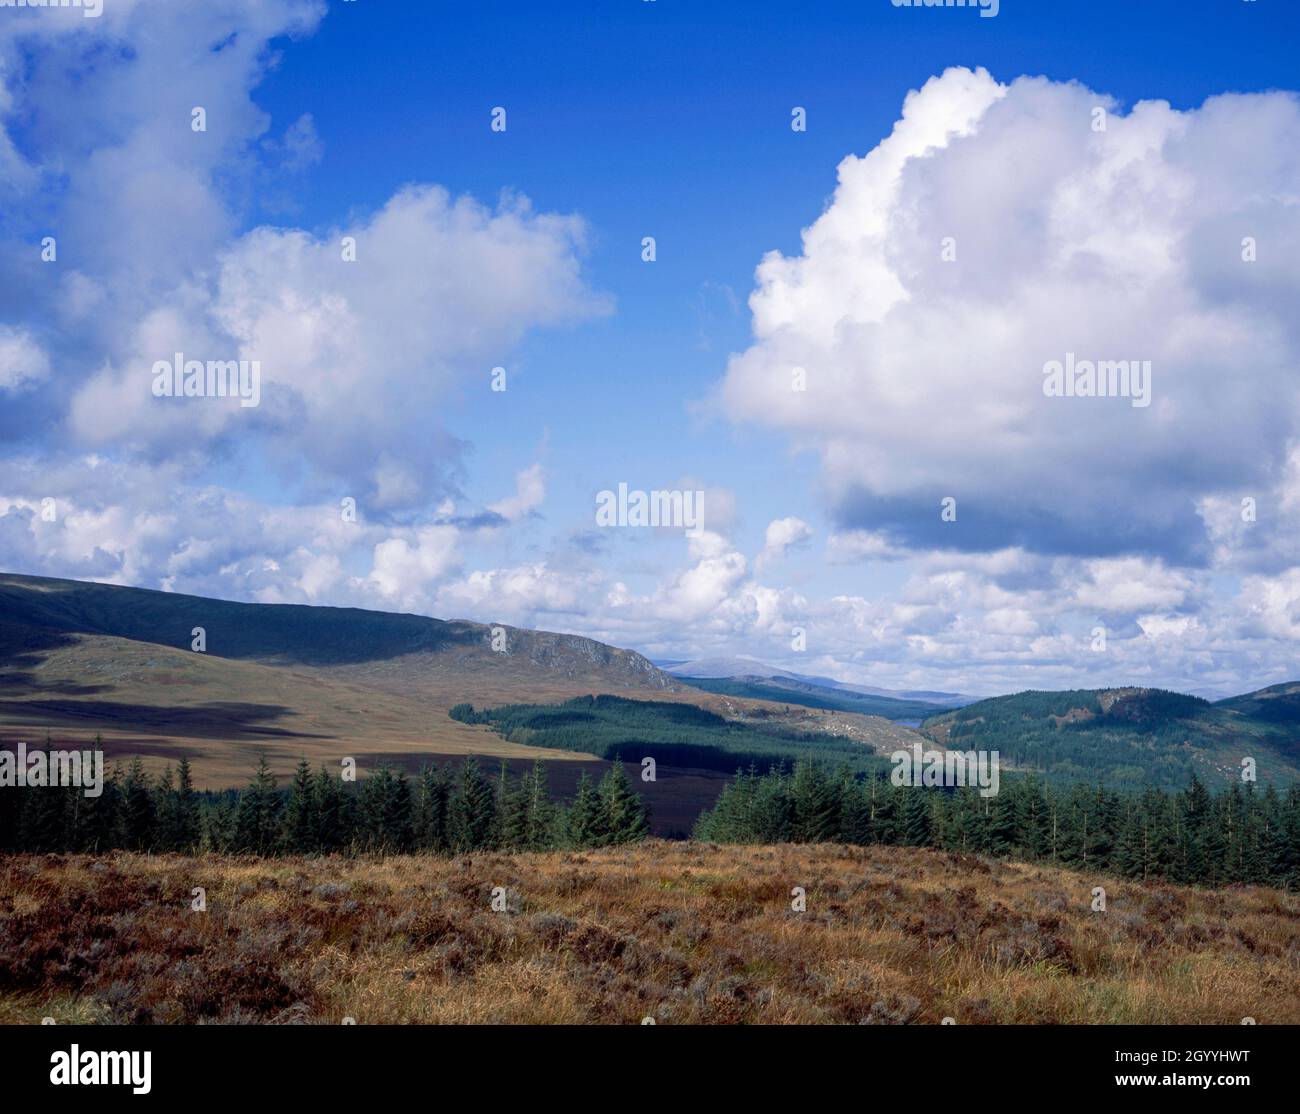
{"x":79,"y":659}
{"x":683,"y":933}
{"x":38,"y":613}
{"x":1131,"y":737}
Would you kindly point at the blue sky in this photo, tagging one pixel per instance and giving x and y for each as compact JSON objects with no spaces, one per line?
{"x":654,"y":118}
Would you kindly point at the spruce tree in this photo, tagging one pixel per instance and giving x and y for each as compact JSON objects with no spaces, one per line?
{"x":816,"y":804}
{"x":585,"y":820}
{"x":165,"y":810}
{"x":257,"y":815}
{"x":624,"y":810}
{"x":473,"y":810}
{"x":511,"y":812}
{"x":855,"y":811}
{"x":432,"y":807}
{"x":301,"y":814}
{"x":42,"y":826}
{"x":138,"y":812}
{"x":539,"y":831}
{"x":219,"y":831}
{"x":186,"y":830}
{"x":333,"y":819}
{"x":916,"y":817}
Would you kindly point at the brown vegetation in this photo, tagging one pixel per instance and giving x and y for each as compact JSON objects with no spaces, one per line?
{"x":683,"y":933}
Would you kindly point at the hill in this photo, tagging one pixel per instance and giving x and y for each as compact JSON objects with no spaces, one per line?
{"x":684,"y":933}
{"x":79,"y":659}
{"x":1129,"y":737}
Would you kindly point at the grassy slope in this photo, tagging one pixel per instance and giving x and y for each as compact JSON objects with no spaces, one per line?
{"x":682,"y":932}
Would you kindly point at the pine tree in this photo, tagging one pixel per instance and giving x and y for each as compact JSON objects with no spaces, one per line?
{"x":962,"y":823}
{"x":301,"y":814}
{"x":42,"y":825}
{"x":624,"y":811}
{"x":333,"y":817}
{"x":886,"y":815}
{"x":432,"y":807}
{"x":473,"y":810}
{"x":165,"y":811}
{"x":103,"y":824}
{"x":585,"y":821}
{"x":816,"y":804}
{"x":1131,"y":857}
{"x":138,"y":814}
{"x":916,"y":817}
{"x":186,"y":831}
{"x":1195,"y":806}
{"x":539,"y":831}
{"x":1031,"y":818}
{"x":1000,"y":825}
{"x":511,"y":812}
{"x":257,"y":815}
{"x":219,"y":825}
{"x":855,"y":810}
{"x":385,"y":810}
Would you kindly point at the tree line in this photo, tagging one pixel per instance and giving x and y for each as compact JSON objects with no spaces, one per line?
{"x":442,"y":810}
{"x":1192,"y":836}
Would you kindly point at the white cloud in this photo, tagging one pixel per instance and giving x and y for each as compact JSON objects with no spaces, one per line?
{"x":22,"y":360}
{"x":781,"y":535}
{"x":925,"y":376}
{"x":355,"y":357}
{"x":530,"y":493}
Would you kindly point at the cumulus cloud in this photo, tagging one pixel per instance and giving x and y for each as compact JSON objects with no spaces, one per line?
{"x":354,"y":357}
{"x":357,"y":358}
{"x":782,"y":534}
{"x":924,"y":374}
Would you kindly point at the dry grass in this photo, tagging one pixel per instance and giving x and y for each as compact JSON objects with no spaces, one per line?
{"x":684,"y":933}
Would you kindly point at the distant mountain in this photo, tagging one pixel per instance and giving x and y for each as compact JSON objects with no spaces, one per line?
{"x":750,"y":669}
{"x":1132,"y":736}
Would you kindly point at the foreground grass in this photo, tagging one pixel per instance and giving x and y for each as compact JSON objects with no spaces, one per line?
{"x":683,"y":933}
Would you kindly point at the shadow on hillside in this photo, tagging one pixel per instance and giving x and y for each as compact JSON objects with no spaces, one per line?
{"x":41,"y":615}
{"x":29,"y":682}
{"x":225,"y":720}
